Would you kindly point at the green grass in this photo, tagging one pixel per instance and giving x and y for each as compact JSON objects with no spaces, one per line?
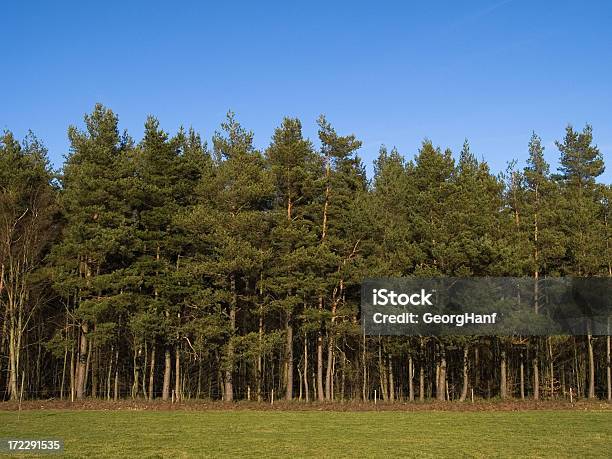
{"x":322,"y":434}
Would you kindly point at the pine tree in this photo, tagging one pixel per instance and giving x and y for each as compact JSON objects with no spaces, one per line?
{"x":538,"y":228}
{"x":340,"y":238}
{"x":391,"y":247}
{"x":294,"y":166}
{"x":162,"y":189}
{"x":431,"y":179}
{"x":476,"y":248}
{"x":581,"y":163}
{"x":97,"y":229}
{"x":233,"y":225}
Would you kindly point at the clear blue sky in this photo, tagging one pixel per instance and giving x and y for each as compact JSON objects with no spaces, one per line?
{"x":391,"y":72}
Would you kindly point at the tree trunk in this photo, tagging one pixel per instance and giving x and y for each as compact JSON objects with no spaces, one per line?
{"x":320,"y":394}
{"x":391,"y":382}
{"x":306,"y":368}
{"x":608,"y":368}
{"x":551,"y":366}
{"x":167,"y":373}
{"x":87,"y":364}
{"x":72,"y":372}
{"x":343,"y":374}
{"x":364,"y":370}
{"x":82,"y":362}
{"x":109,"y":374}
{"x":503,"y":377}
{"x":422,"y":372}
{"x":14,"y":316}
{"x":64,"y":372}
{"x":228,"y":395}
{"x":421,"y":383}
{"x":116,"y":388}
{"x":536,"y":376}
{"x":136,"y":372}
{"x":441,"y":379}
{"x":152,"y":373}
{"x":382,"y":373}
{"x":177,"y":373}
{"x":288,"y":358}
{"x":13,"y":366}
{"x":522,"y":376}
{"x":145,"y":362}
{"x":259,"y":375}
{"x":328,"y":372}
{"x":259,"y":367}
{"x":466,"y":379}
{"x":330,"y":357}
{"x":591,"y":365}
{"x":410,"y":378}
{"x":94,"y":351}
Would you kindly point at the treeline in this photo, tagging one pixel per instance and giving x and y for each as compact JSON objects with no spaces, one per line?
{"x":172,"y":269}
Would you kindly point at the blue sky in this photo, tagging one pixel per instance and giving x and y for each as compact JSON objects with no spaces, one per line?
{"x":393,"y":73}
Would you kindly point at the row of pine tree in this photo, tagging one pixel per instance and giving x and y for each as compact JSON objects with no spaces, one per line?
{"x":172,"y":269}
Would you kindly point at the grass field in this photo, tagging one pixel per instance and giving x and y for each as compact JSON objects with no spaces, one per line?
{"x":317,"y":433}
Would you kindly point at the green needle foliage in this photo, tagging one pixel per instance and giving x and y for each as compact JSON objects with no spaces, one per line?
{"x":165,"y":268}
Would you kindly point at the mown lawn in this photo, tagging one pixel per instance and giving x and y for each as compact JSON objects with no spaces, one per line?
{"x":321,"y":434}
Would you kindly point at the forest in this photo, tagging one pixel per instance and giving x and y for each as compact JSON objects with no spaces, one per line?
{"x":169,"y":268}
